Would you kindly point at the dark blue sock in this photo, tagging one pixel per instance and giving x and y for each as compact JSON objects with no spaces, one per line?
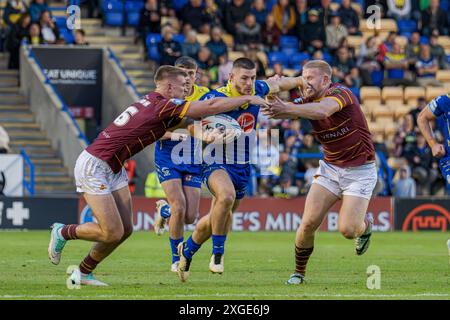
{"x":174,"y":246}
{"x":218,"y":243}
{"x":165,"y":211}
{"x":191,"y":248}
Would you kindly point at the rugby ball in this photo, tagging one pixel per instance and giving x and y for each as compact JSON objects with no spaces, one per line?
{"x":222,"y":122}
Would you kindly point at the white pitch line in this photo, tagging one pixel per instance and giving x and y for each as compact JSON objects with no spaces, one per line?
{"x":242,"y":295}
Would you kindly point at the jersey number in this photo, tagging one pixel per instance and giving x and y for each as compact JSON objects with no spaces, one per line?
{"x":125,"y":116}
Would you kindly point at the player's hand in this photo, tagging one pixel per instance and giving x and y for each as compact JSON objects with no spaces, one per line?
{"x":175,"y":136}
{"x":275,"y":109}
{"x":256,"y":100}
{"x":438,"y":150}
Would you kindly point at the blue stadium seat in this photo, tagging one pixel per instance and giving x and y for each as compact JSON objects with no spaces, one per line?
{"x":113,"y":12}
{"x":270,"y":4}
{"x":327,"y":57}
{"x":61,"y":22}
{"x":112,"y":6}
{"x":289,"y":51}
{"x":179,"y":37}
{"x":153,"y":53}
{"x":377,"y":77}
{"x":177,"y":5}
{"x":67,"y":35}
{"x":406,"y":26}
{"x":153,"y":39}
{"x":288,"y":42}
{"x":278,"y":57}
{"x":297,"y":59}
{"x":133,"y":18}
{"x":424,"y":39}
{"x":134,"y":6}
{"x":113,"y":18}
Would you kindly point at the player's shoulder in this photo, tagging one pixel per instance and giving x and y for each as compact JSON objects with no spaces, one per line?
{"x":218,"y":92}
{"x":261,"y":87}
{"x":202,"y":90}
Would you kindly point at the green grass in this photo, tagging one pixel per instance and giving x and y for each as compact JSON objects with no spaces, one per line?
{"x":413,"y":266}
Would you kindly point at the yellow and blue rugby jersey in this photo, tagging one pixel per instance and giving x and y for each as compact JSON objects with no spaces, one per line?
{"x":246,"y":116}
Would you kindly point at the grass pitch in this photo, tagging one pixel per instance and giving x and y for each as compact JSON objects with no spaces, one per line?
{"x":413,"y":266}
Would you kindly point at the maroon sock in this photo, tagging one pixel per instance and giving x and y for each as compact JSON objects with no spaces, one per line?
{"x":69,"y":231}
{"x":301,"y":259}
{"x":88,"y":264}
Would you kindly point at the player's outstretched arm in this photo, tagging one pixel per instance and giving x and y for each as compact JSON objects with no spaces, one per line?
{"x":278,"y":84}
{"x":209,"y":107}
{"x":423,"y":122}
{"x":279,"y":109}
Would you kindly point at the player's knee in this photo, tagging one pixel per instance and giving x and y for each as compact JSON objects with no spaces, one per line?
{"x":308,"y":228}
{"x":348,"y":232}
{"x":177,"y":208}
{"x":226,"y":198}
{"x":189,"y":219}
{"x":113,"y":236}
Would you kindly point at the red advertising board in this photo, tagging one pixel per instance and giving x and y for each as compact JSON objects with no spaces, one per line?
{"x":259,"y":214}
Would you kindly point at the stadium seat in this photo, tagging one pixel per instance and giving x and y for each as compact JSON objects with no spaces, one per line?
{"x":389,"y":94}
{"x":390,"y":128}
{"x":327,"y":57}
{"x":382,"y":110}
{"x":228,"y":39}
{"x":113,"y":18}
{"x":401,"y":111}
{"x":61,"y":22}
{"x":407,"y":26}
{"x":412,"y":94}
{"x":289,"y":51}
{"x":153,"y":53}
{"x":233,"y":55}
{"x":367,"y":110}
{"x":388,"y":25}
{"x":177,"y":5}
{"x":433,"y":92}
{"x":376,"y":128}
{"x":279,"y":57}
{"x":297,"y":59}
{"x":377,"y":77}
{"x":370,"y":95}
{"x":203,"y":39}
{"x":153,"y":39}
{"x":443,"y":76}
{"x":355,"y":41}
{"x":133,"y":9}
{"x":289,"y":42}
{"x":67,"y":35}
{"x":179,"y":37}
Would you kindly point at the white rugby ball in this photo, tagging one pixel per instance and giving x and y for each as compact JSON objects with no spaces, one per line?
{"x":222,"y":122}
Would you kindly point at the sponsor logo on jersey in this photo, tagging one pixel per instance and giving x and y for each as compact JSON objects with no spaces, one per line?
{"x":246,"y":121}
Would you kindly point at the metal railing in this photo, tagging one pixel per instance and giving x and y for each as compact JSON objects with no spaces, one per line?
{"x":29,"y":185}
{"x":64,"y":107}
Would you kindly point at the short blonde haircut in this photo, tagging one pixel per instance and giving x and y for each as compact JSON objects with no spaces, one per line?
{"x":168,"y":72}
{"x":323,"y":66}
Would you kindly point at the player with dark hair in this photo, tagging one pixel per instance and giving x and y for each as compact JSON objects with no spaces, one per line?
{"x":348,"y":170}
{"x":181,"y":181}
{"x":438,"y":110}
{"x":99,"y":171}
{"x":228,"y":178}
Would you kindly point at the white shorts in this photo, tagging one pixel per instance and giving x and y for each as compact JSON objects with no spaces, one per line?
{"x":353,"y":181}
{"x":94,"y":176}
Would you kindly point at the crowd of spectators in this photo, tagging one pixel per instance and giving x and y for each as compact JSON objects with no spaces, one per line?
{"x":33,"y":23}
{"x":322,"y":31}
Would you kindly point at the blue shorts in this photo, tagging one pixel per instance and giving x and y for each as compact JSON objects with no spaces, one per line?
{"x":444,"y":165}
{"x":238,"y":173}
{"x":190,"y":174}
